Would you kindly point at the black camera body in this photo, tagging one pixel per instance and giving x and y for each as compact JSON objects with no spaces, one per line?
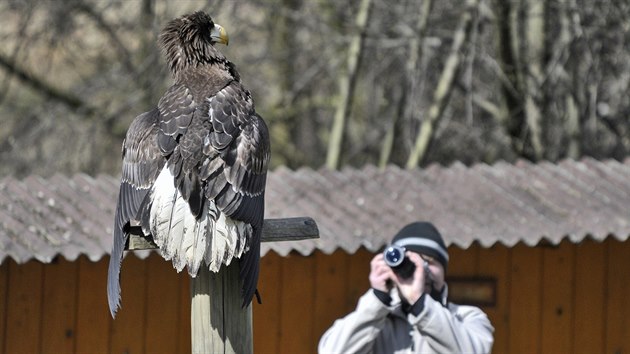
{"x":401,"y":265}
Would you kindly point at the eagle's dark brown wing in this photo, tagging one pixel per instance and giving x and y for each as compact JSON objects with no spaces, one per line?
{"x":236,"y":158}
{"x":141,"y":164}
{"x":206,"y":203}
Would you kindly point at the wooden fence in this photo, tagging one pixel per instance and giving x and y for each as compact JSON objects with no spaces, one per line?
{"x":566,"y":299}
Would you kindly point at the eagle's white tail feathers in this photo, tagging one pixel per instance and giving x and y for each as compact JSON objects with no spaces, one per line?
{"x":175,"y":240}
{"x":163,"y":196}
{"x":215,"y":253}
{"x":228,"y":241}
{"x":196,"y":243}
{"x":187,"y":241}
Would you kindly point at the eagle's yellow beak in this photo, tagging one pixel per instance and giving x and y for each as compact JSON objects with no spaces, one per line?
{"x":219,"y":34}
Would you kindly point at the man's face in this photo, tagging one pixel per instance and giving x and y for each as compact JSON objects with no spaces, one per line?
{"x":437,"y":272}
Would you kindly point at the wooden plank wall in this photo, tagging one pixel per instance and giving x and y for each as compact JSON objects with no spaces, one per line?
{"x":62,"y":308}
{"x":565,"y":299}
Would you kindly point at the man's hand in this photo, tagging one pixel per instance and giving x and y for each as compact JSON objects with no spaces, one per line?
{"x":380,"y":273}
{"x":411,"y":289}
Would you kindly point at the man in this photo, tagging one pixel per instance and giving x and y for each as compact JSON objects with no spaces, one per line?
{"x":411,"y":315}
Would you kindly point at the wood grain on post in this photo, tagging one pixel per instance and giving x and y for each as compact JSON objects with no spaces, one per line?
{"x":218,"y":322}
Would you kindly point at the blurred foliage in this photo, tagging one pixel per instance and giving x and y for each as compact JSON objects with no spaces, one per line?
{"x":73,"y":74}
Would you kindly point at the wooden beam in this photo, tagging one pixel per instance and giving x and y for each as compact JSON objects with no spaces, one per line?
{"x":286,"y":229}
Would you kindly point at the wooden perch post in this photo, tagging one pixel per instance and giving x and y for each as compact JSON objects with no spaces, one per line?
{"x":218,"y":322}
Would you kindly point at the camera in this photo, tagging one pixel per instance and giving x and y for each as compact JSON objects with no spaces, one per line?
{"x":401,"y":265}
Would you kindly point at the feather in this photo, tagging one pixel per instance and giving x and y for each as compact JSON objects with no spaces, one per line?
{"x":175,"y":233}
{"x":217,"y":249}
{"x":113,"y":273}
{"x":141,"y":163}
{"x":164,"y":196}
{"x":195,"y":253}
{"x":182,"y":237}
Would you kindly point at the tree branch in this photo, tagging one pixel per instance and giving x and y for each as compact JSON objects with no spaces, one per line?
{"x":105,"y":27}
{"x":45,"y":88}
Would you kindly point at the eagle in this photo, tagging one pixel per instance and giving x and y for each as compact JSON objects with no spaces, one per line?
{"x":194,"y":167}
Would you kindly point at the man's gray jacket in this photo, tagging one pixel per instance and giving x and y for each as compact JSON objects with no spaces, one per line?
{"x":377,"y":328}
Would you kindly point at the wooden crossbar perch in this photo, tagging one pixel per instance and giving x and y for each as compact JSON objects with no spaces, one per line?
{"x":286,"y":229}
{"x":218,"y":322}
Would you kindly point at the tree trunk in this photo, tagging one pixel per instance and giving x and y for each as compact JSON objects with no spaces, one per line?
{"x":522,"y":55}
{"x":444,"y":86}
{"x":572,"y":127}
{"x":572,"y":115}
{"x":347,"y":84}
{"x":509,"y":55}
{"x":535,"y":39}
{"x":150,"y":55}
{"x":284,"y":49}
{"x":412,"y":69}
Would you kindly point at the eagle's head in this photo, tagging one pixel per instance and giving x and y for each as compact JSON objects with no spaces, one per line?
{"x":189,"y":41}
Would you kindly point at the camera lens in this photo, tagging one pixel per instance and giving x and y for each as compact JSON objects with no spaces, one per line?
{"x":401,"y":265}
{"x":394,"y":255}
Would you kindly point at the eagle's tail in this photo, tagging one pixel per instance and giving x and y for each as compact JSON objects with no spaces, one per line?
{"x":188,"y":241}
{"x":227,"y":240}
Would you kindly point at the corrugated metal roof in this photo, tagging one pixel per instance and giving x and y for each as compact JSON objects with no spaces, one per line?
{"x":507,"y":203}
